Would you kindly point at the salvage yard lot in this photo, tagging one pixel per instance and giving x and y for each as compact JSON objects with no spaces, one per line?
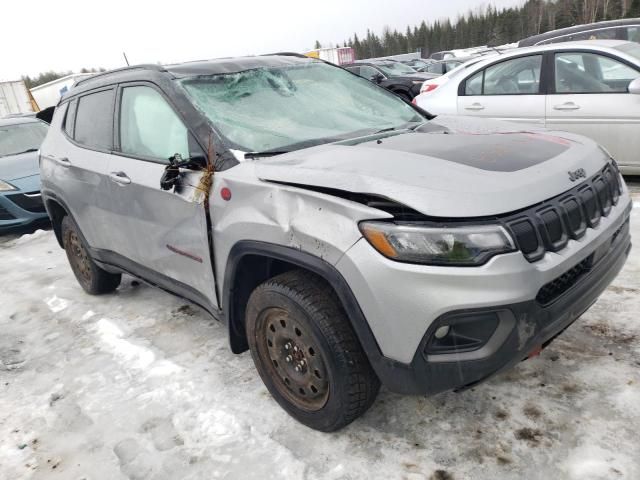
{"x":140,"y":385}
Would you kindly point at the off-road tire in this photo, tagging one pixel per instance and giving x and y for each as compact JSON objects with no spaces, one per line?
{"x":301,"y":309}
{"x":93,"y":279}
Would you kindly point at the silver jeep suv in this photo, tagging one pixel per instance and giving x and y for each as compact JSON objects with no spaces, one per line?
{"x":345,"y":237}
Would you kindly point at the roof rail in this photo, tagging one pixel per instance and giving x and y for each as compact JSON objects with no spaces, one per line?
{"x":147,"y":66}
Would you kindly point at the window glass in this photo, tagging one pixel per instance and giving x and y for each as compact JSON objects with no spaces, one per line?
{"x":368,"y":72}
{"x":451,"y":65}
{"x":509,"y":77}
{"x":70,"y":118}
{"x":519,"y":76}
{"x":396,"y":69}
{"x":599,"y":34}
{"x":94,"y":120}
{"x":474,"y":84}
{"x":295,"y":106}
{"x":149,"y":127}
{"x":633,"y":34}
{"x":355,"y":70}
{"x":591,"y":73}
{"x":436,"y":68}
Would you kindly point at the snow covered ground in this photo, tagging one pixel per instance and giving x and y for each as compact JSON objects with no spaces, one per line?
{"x":140,"y":385}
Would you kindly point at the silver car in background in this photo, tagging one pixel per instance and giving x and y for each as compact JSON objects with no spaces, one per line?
{"x":591,"y":88}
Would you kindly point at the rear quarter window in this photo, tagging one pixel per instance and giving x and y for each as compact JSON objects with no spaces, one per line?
{"x":70,"y":118}
{"x":94,"y":120}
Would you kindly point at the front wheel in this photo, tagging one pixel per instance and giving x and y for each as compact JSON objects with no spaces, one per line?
{"x":91,"y":277}
{"x":306,"y":352}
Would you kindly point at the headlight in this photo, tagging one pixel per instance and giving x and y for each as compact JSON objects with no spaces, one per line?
{"x":5,"y":187}
{"x":468,"y":245}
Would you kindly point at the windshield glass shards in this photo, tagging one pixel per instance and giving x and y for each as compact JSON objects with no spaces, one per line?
{"x":277,"y":109}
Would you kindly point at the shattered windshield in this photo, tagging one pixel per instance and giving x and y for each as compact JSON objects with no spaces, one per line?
{"x":291,"y":107}
{"x":21,"y":137}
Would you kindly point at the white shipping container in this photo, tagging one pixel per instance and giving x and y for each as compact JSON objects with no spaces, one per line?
{"x":14,"y":98}
{"x":48,"y":94}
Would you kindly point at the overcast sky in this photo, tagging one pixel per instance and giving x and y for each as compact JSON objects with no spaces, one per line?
{"x":68,"y":35}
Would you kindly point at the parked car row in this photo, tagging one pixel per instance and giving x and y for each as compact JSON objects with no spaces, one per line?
{"x":591,"y":88}
{"x":395,"y":76}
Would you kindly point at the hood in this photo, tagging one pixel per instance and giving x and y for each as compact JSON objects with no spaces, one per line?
{"x":451,"y":167}
{"x":19,"y":166}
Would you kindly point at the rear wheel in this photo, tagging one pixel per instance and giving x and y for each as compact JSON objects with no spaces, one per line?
{"x":307,"y":353}
{"x":91,"y":277}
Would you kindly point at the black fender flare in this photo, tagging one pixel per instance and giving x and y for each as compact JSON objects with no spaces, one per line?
{"x":384,"y":367}
{"x":48,"y":197}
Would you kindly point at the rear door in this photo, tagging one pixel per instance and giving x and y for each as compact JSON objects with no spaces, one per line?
{"x":164,"y":236}
{"x":507,"y":90}
{"x":590,"y":96}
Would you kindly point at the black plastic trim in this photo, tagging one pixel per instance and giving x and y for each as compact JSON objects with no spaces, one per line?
{"x":384,"y":367}
{"x":153,"y":278}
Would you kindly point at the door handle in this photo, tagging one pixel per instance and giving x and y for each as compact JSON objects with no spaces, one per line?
{"x":566,"y":106}
{"x":120,"y":177}
{"x":474,"y":106}
{"x":62,"y":161}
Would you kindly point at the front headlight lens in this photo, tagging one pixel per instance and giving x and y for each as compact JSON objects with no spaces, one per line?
{"x":468,"y":245}
{"x":5,"y":187}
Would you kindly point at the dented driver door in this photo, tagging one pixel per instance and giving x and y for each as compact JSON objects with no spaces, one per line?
{"x":163,"y":234}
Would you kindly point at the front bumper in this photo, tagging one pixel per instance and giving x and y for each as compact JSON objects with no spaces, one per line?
{"x":404,"y":305}
{"x":19,"y":209}
{"x":529,"y":327}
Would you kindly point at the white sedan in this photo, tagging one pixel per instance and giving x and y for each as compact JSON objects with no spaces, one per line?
{"x":591,"y":88}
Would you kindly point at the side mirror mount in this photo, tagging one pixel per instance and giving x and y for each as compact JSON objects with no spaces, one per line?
{"x":377,"y":78}
{"x":171,"y":177}
{"x":634,"y":86}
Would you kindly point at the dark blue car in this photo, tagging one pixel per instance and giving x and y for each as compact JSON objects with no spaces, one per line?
{"x":20,"y":201}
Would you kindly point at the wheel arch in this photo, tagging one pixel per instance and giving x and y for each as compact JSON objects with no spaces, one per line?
{"x":57,"y":211}
{"x":252,"y":262}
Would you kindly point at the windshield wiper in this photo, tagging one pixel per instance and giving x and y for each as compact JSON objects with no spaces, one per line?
{"x":389,"y":129}
{"x":268,"y":153}
{"x":406,"y":126}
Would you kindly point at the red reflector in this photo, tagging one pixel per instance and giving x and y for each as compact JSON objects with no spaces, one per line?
{"x":225,"y":193}
{"x":429,"y":87}
{"x":414,"y":101}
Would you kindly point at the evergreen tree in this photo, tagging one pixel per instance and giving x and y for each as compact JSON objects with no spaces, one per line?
{"x":491,"y":26}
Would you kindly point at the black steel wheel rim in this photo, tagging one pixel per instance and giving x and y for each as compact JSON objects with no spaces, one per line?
{"x":292,"y":359}
{"x":78,"y":256}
